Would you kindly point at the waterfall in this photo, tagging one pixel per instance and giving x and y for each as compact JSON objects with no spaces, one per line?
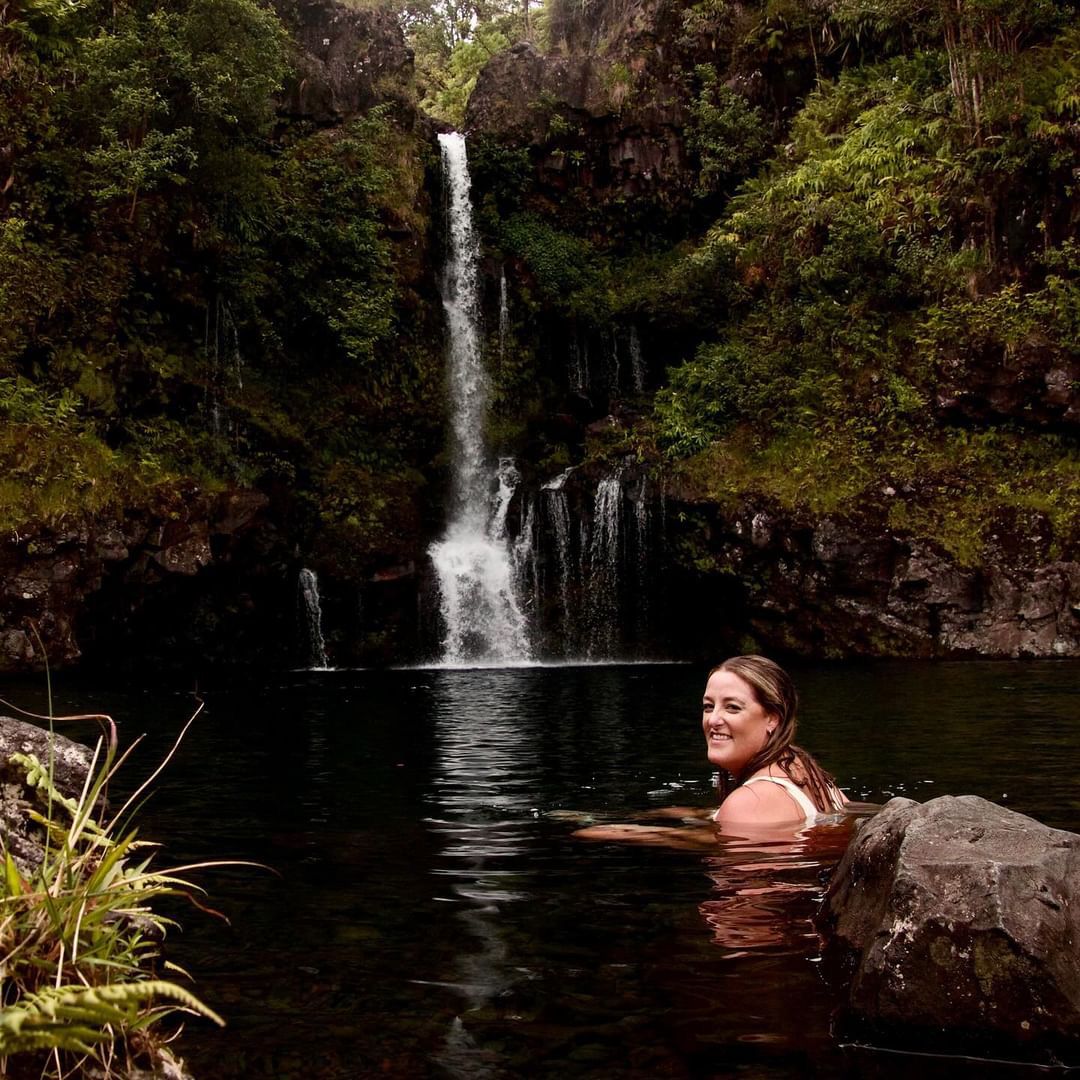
{"x":637,"y":360}
{"x":614,"y":371}
{"x":507,"y":479}
{"x":526,"y":555}
{"x":477,"y":588}
{"x":309,"y":618}
{"x":558,"y":513}
{"x":641,"y":520}
{"x":605,"y":558}
{"x":221,"y":347}
{"x":504,"y":314}
{"x":577,"y":363}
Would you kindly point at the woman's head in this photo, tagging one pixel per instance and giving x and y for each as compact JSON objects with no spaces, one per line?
{"x":749,"y":714}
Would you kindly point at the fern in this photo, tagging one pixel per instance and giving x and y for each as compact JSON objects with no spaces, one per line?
{"x":73,"y":933}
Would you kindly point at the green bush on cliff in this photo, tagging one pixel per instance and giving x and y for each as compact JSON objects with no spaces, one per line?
{"x":174,"y":269}
{"x":728,"y":134}
{"x":906,"y":236}
{"x":563,"y":265}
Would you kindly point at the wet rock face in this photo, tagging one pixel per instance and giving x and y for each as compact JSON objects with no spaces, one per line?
{"x":594,"y":124}
{"x":48,"y":576}
{"x":831,"y":586}
{"x":1035,"y":384}
{"x":347,"y":60}
{"x":957,"y":924}
{"x":70,"y":763}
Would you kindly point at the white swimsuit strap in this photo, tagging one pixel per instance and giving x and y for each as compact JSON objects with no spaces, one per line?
{"x":810,"y":811}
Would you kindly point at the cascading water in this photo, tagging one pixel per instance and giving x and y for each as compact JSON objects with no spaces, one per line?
{"x":477,"y":587}
{"x":309,"y":618}
{"x":504,"y":314}
{"x":613,"y":371}
{"x":642,"y":548}
{"x":637,"y":361}
{"x":605,"y":559}
{"x":558,"y":513}
{"x":525,"y":554}
{"x":577,"y":363}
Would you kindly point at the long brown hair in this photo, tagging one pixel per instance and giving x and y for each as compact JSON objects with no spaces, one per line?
{"x":775,"y":692}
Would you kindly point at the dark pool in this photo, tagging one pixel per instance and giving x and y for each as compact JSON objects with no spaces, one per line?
{"x":432,"y":918}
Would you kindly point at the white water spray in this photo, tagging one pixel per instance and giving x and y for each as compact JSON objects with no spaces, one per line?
{"x":477,"y":587}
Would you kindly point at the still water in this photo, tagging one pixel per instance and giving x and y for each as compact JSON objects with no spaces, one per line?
{"x":433,"y":916}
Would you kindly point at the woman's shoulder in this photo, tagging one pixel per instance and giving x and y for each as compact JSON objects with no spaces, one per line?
{"x":754,"y":802}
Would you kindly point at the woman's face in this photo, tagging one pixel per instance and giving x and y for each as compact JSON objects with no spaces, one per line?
{"x":736,"y":726}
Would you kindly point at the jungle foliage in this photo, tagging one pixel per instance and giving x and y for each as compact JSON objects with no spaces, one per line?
{"x":180,"y":270}
{"x":884,"y":250}
{"x":83,"y":992}
{"x":918,"y":226}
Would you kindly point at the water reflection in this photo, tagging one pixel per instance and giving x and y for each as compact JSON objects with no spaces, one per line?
{"x":764,"y":890}
{"x":481,"y":813}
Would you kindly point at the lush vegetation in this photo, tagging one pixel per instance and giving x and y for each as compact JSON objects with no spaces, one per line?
{"x":861,"y":296}
{"x":915,"y":232}
{"x":81,"y":989}
{"x":193,"y":290}
{"x":876,"y":296}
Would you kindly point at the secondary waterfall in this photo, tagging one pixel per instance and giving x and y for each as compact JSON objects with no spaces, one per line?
{"x":558,"y":512}
{"x":478,"y":589}
{"x":309,"y":618}
{"x":605,"y":561}
{"x":504,"y":314}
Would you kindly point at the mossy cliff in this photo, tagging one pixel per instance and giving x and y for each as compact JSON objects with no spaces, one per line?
{"x":814,"y":267}
{"x":218,"y":286}
{"x":844,"y":238}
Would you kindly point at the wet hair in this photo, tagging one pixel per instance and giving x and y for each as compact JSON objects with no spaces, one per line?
{"x":775,"y":692}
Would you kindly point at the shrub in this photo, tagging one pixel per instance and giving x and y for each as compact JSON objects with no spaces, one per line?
{"x":80,"y":936}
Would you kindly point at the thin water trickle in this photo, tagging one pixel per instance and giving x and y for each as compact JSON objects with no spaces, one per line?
{"x":504,"y":314}
{"x":643,"y":549}
{"x":558,"y":514}
{"x":637,"y":360}
{"x":478,"y":596}
{"x":309,"y":619}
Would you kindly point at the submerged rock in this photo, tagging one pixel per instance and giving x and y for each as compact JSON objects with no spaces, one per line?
{"x":957,"y":923}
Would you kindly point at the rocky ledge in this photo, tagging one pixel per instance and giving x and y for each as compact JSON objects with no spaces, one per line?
{"x":345,"y":61}
{"x":956,"y":926}
{"x":48,"y":574}
{"x":835,"y":586}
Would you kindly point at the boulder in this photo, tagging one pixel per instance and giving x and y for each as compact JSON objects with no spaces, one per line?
{"x":71,"y":762}
{"x":956,"y":924}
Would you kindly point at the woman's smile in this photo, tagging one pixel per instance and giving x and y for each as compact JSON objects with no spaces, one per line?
{"x":736,"y":726}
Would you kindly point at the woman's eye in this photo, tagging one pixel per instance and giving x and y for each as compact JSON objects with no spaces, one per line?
{"x":733,"y":708}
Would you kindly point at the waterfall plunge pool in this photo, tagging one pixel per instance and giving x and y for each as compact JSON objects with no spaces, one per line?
{"x":434,"y":916}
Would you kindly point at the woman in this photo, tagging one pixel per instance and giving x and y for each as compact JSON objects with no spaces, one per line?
{"x":769,"y":787}
{"x":748,"y":717}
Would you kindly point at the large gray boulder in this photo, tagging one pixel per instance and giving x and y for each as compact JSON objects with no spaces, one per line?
{"x":71,"y":761}
{"x":957,"y":923}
